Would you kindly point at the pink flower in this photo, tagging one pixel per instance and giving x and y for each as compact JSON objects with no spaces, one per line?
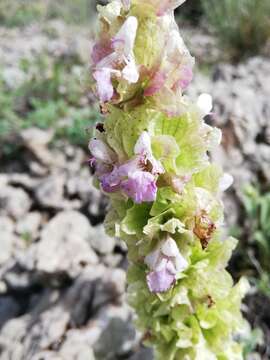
{"x":100,"y":50}
{"x":140,"y":186}
{"x":172,"y":76}
{"x":160,"y":280}
{"x":118,"y":63}
{"x":136,"y":178}
{"x":164,"y":262}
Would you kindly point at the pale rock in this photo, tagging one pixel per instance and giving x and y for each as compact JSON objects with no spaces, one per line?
{"x":7,"y":238}
{"x":64,"y":244}
{"x":14,"y":202}
{"x":29,"y":225}
{"x":101,"y":242}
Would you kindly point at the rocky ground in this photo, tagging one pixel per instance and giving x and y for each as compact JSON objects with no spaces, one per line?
{"x":62,"y":279}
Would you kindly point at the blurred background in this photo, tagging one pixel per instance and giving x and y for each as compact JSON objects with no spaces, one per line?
{"x":62,"y":279}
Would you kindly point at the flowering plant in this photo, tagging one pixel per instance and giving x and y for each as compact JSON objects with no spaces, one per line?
{"x":150,"y":156}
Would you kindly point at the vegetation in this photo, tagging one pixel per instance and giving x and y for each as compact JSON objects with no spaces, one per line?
{"x":242,"y":26}
{"x":46,"y":92}
{"x":257,"y":207}
{"x":23,"y":12}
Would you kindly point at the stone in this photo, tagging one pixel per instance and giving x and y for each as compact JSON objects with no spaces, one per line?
{"x":115,"y":334}
{"x":64,"y":245}
{"x":74,"y":347}
{"x":47,"y":355}
{"x":50,"y":193}
{"x":112,"y":260}
{"x":7,"y":238}
{"x":76,"y":161}
{"x":79,"y":297}
{"x":9,"y":309}
{"x":143,"y":354}
{"x":49,"y":328}
{"x":101,"y":242}
{"x":18,"y":280}
{"x":80,"y":185}
{"x":14,"y":202}
{"x":11,"y":338}
{"x":61,"y":319}
{"x":23,"y":180}
{"x":110,"y":289}
{"x":36,"y":140}
{"x":29,"y":225}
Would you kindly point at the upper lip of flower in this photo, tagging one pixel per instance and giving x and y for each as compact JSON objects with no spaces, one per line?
{"x":120,"y":62}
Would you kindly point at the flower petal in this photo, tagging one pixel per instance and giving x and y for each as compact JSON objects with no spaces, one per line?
{"x":104,"y":84}
{"x":160,"y":281}
{"x":151,"y":260}
{"x":100,"y":50}
{"x":101,"y":151}
{"x":143,"y":145}
{"x":143,"y":149}
{"x":111,"y":182}
{"x":177,"y":262}
{"x":225,"y":182}
{"x":130,"y":72}
{"x":180,"y":263}
{"x":186,"y":77}
{"x":140,"y":186}
{"x":124,"y":40}
{"x":205,"y":104}
{"x":169,"y":248}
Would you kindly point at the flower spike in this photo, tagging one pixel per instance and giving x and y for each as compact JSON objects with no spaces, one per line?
{"x":151,"y":157}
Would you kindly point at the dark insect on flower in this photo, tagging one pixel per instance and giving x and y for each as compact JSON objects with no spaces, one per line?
{"x":204,"y":228}
{"x":210,"y":302}
{"x":100,"y":127}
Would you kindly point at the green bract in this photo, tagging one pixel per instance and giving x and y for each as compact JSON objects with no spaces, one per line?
{"x":151,"y":157}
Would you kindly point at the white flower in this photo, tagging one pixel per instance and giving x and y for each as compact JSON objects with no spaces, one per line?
{"x":225,"y":182}
{"x":205,"y":104}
